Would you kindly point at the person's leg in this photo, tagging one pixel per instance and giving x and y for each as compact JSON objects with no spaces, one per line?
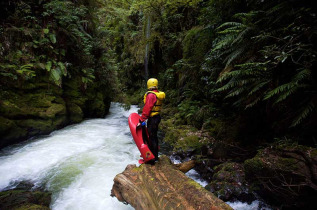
{"x":152,"y":124}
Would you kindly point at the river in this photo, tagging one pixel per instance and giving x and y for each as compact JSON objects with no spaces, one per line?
{"x":77,"y":163}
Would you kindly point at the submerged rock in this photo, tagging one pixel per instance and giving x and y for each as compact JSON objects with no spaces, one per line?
{"x":162,"y":186}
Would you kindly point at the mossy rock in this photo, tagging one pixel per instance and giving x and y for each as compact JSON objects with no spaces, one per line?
{"x":6,"y":125}
{"x":10,"y":110}
{"x":190,"y":142}
{"x":27,"y":105}
{"x":284,"y":175}
{"x":95,"y":108}
{"x":38,"y":100}
{"x":36,"y":126}
{"x":22,"y":199}
{"x":31,"y":207}
{"x":59,"y":122}
{"x":228,"y":182}
{"x":10,"y":132}
{"x":53,"y":110}
{"x":73,"y":92}
{"x":75,"y":113}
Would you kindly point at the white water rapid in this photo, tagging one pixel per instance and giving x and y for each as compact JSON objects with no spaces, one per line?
{"x":77,"y":163}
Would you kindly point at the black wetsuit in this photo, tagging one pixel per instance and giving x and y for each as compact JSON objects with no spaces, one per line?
{"x":152,"y":126}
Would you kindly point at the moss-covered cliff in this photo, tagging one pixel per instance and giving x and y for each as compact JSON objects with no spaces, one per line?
{"x":53,"y":67}
{"x":40,"y":108}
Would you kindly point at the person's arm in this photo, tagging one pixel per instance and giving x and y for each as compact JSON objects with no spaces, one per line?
{"x":150,"y":102}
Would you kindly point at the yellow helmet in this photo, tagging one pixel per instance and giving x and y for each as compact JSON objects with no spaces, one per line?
{"x":152,"y":83}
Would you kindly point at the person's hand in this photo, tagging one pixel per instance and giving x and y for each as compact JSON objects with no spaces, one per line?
{"x":140,"y":124}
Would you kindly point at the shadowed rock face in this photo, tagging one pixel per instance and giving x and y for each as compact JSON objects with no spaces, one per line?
{"x":162,"y":186}
{"x":285,"y":174}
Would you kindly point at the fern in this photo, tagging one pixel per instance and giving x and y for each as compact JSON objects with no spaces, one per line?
{"x":279,"y":90}
{"x":304,"y":113}
{"x":236,"y":92}
{"x":258,"y":86}
{"x":253,"y":103}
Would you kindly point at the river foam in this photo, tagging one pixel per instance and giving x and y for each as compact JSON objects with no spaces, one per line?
{"x":77,"y":163}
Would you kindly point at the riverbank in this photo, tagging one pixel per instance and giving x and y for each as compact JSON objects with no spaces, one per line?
{"x":265,"y":175}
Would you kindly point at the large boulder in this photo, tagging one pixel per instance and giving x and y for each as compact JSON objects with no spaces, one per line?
{"x":285,"y":174}
{"x":162,"y":186}
{"x":228,"y":182}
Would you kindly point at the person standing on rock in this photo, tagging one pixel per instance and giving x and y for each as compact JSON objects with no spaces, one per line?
{"x":153,"y":100}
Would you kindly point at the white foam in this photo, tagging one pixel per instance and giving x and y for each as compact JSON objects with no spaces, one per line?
{"x":77,"y":163}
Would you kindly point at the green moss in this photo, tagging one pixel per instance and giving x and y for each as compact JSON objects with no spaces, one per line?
{"x":9,"y":109}
{"x":21,"y":199}
{"x":287,"y":164}
{"x":32,"y":207}
{"x":75,"y":113}
{"x":35,"y":126}
{"x":53,"y":110}
{"x":95,"y":108}
{"x":5,"y":125}
{"x":254,"y":164}
{"x":39,"y":100}
{"x":188,"y":142}
{"x":195,"y":184}
{"x":138,"y":169}
{"x":9,"y":130}
{"x":59,"y":121}
{"x":196,"y":43}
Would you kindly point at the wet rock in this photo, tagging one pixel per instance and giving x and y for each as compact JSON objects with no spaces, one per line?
{"x":22,"y":199}
{"x":285,"y":175}
{"x":162,"y":186}
{"x":38,"y":107}
{"x":228,"y":182}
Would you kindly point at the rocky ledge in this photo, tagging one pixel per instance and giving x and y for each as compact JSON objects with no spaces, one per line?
{"x":162,"y":186}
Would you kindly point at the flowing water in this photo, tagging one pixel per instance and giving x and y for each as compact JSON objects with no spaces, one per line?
{"x":77,"y":163}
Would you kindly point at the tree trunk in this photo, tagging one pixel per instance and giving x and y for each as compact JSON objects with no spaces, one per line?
{"x":162,"y":186}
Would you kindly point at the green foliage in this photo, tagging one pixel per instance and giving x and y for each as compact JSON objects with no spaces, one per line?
{"x":55,"y":38}
{"x":267,"y":58}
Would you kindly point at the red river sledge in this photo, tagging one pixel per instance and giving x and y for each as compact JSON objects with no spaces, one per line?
{"x":146,"y":153}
